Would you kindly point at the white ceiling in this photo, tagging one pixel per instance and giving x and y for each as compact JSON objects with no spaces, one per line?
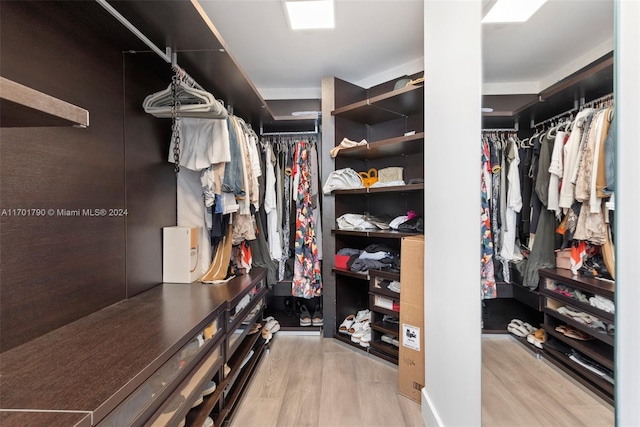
{"x":378,"y":40}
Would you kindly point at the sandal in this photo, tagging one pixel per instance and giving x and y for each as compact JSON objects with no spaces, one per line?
{"x":346,"y":324}
{"x":305,"y":316}
{"x":518,"y":328}
{"x":537,"y":338}
{"x":577,"y":334}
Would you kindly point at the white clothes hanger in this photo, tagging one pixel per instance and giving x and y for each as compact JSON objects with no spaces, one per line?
{"x":192,"y":103}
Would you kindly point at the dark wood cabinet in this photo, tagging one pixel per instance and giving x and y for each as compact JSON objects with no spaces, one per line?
{"x":564,"y":295}
{"x":143,"y":361}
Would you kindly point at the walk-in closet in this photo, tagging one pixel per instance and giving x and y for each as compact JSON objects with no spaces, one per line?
{"x":416,"y":213}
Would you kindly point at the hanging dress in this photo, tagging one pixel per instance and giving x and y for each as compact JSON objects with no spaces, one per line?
{"x":487,"y":277}
{"x":307,"y":279}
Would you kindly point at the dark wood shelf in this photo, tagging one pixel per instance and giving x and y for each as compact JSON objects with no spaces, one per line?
{"x":382,"y":355}
{"x":289,"y":323}
{"x":29,"y":418}
{"x":385,"y":274}
{"x":22,"y":106}
{"x":582,"y":306}
{"x":349,"y":273}
{"x":386,"y":348}
{"x":388,"y":106}
{"x":601,"y":336}
{"x":593,"y":382}
{"x":240,"y":384}
{"x":589,"y":284}
{"x":386,"y":328}
{"x":596,"y":350}
{"x":392,"y":147}
{"x":189,"y":391}
{"x":393,"y":189}
{"x":382,"y":310}
{"x":381,"y":234}
{"x":347,"y":339}
{"x":384,"y":292}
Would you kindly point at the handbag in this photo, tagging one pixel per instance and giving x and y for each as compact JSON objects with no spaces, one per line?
{"x":369,"y":178}
{"x":342,"y":179}
{"x":390,"y":174}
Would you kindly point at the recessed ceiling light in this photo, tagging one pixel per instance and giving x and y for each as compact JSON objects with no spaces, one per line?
{"x":486,"y":110}
{"x":310,"y":14}
{"x":512,"y":11}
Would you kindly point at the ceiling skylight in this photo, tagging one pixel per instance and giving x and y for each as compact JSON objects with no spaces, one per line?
{"x":310,"y":14}
{"x":512,"y":11}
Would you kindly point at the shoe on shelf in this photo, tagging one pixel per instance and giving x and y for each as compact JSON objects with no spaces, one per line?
{"x":537,"y":338}
{"x":390,"y":319}
{"x":364,"y":329}
{"x":227,"y":370}
{"x":317,"y":319}
{"x":210,"y":388}
{"x":346,"y":324}
{"x":267,"y":335}
{"x":197,"y":402}
{"x":305,"y":316}
{"x":208,"y":422}
{"x":288,"y":306}
{"x":365,"y":340}
{"x":363,"y":315}
{"x":272,"y":325}
{"x":395,"y":342}
{"x":387,"y":338}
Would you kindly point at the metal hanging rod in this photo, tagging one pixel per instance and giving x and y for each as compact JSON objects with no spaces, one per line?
{"x":556,"y":117}
{"x":608,"y":97}
{"x":167,"y":55}
{"x":288,"y":133}
{"x":500,"y":130}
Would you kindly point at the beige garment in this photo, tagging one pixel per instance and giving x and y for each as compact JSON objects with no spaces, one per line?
{"x":218,"y":177}
{"x":585,"y":167}
{"x":601,"y":178}
{"x":591,"y":226}
{"x":608,"y":253}
{"x":346,"y":143}
{"x":220,"y":264}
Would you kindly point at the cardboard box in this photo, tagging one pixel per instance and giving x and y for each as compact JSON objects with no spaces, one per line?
{"x":411,"y":352}
{"x":180,"y":254}
{"x":563,"y":259}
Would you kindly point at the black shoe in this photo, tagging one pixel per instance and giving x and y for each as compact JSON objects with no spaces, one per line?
{"x":288,"y":306}
{"x":298,"y":307}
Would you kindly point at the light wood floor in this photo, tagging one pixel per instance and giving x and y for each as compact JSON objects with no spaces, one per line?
{"x":315,"y":382}
{"x":520,"y":390}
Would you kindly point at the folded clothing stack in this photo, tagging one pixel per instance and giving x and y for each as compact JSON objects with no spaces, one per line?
{"x":375,"y":256}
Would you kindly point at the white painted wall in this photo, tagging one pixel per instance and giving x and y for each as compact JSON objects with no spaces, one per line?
{"x":627,"y":100}
{"x":453,"y":84}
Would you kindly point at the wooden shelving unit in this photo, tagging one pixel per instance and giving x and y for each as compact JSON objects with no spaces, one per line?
{"x":22,"y":106}
{"x":392,"y":122}
{"x":599,"y":348}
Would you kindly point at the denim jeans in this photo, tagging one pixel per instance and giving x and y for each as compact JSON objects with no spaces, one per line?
{"x":232,"y":182}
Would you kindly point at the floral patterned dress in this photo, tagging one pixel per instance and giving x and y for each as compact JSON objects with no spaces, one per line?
{"x":307,"y":278}
{"x":488,"y":280}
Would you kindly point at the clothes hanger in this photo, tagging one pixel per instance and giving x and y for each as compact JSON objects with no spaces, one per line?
{"x":192,"y":103}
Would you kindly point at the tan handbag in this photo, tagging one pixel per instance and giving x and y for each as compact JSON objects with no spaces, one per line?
{"x":390,"y":174}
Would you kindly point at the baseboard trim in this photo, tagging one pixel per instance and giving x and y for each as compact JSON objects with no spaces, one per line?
{"x":429,"y":413}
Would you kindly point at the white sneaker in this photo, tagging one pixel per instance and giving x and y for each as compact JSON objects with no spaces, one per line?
{"x":358,"y":335}
{"x":208,"y":422}
{"x":363,"y":315}
{"x":366,"y":338}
